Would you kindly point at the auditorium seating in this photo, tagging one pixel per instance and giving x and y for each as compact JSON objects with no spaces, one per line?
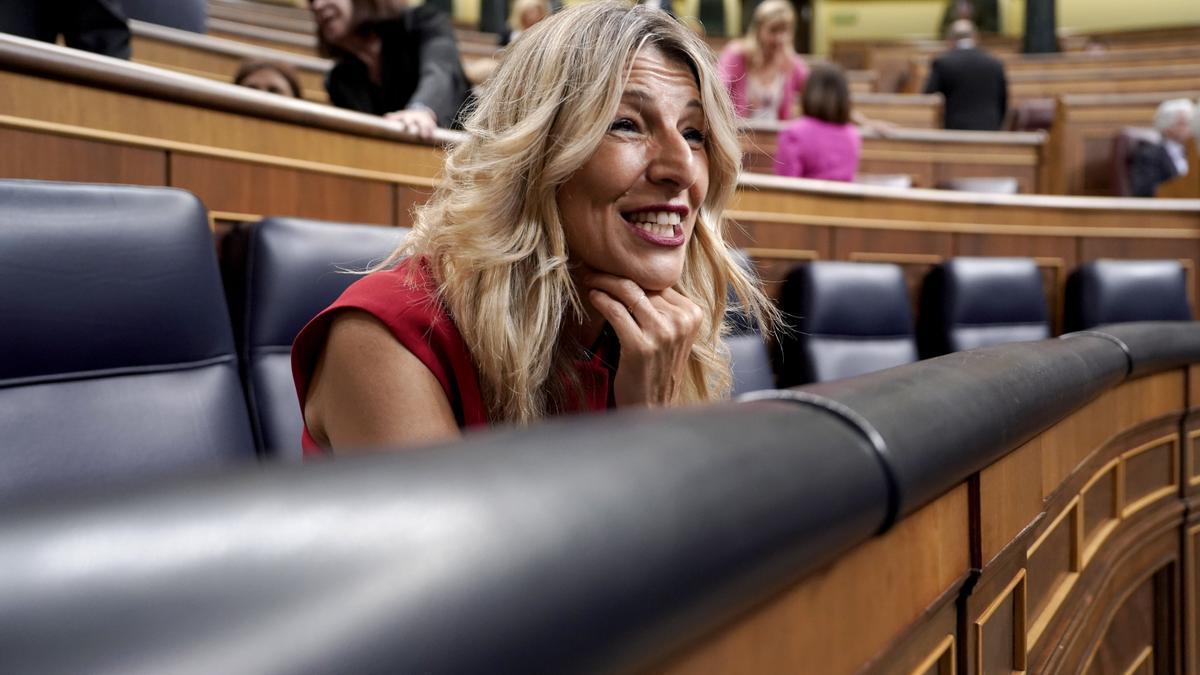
{"x":117,"y":359}
{"x":843,"y":319}
{"x":294,"y":268}
{"x":968,"y":303}
{"x":1118,"y":291}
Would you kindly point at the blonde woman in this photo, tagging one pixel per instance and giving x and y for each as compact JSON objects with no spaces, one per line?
{"x":392,"y":60}
{"x":524,"y":14}
{"x":762,"y":70}
{"x":573,"y":258}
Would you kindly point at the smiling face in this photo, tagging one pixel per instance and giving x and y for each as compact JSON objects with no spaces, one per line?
{"x":334,"y":18}
{"x":630,"y":210}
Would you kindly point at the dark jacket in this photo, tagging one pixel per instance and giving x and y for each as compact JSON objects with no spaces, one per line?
{"x":1149,"y":166}
{"x":419,"y":65}
{"x":92,"y":25}
{"x":974,"y":86}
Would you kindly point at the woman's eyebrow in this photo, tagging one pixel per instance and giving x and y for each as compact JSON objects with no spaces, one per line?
{"x":639,"y":96}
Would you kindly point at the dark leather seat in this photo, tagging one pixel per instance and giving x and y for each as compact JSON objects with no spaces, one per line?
{"x":749,"y":355}
{"x":844,"y":319}
{"x":294,"y":269}
{"x":116,"y":356}
{"x":1119,"y":291}
{"x":978,"y":302}
{"x":997,"y":185}
{"x":1035,"y":114}
{"x":1124,"y":144}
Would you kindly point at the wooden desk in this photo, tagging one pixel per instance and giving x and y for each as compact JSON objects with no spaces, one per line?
{"x":930,"y":156}
{"x":1080,"y":147}
{"x":218,"y":58}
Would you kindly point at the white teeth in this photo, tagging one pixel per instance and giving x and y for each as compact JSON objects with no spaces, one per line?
{"x":659,"y":223}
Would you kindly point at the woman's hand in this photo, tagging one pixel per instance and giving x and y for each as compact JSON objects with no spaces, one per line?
{"x":656,"y":330}
{"x":417,"y":121}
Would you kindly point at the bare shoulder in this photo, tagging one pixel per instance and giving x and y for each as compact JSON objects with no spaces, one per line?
{"x":368,"y":390}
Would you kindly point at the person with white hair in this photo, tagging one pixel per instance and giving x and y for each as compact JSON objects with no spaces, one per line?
{"x":1155,"y":163}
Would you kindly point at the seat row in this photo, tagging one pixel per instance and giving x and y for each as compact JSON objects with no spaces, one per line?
{"x":122,"y":355}
{"x":846,"y":318}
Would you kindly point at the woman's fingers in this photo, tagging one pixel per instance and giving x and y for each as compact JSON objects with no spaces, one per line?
{"x":613,"y":311}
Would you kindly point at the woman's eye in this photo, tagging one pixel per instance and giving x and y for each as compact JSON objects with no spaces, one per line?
{"x":623,"y":124}
{"x":694,"y":136}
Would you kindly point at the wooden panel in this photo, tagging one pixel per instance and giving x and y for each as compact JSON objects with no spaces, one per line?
{"x":1101,"y":499}
{"x":29,"y":154}
{"x":778,"y":247}
{"x":1053,"y":564}
{"x":915,"y":252}
{"x":1128,"y":642}
{"x":847,"y":613}
{"x":1000,"y":631}
{"x":226,"y":185}
{"x":1010,"y":498}
{"x":1149,"y":473}
{"x":407,"y":198}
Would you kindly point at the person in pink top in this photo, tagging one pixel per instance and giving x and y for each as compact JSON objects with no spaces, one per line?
{"x":823,"y":143}
{"x":762,"y":71}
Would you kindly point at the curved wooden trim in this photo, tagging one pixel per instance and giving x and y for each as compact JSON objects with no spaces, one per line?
{"x":210,"y":151}
{"x":219,"y":45}
{"x":961,"y":228}
{"x":70,"y":64}
{"x":764,"y":181}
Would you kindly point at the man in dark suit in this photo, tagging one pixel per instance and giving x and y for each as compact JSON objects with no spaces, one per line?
{"x":1155,"y":163}
{"x":971,"y":80}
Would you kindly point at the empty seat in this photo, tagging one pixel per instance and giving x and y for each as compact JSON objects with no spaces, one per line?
{"x":294,"y":269}
{"x":116,"y":354}
{"x":977,"y":302}
{"x":1033,"y":115}
{"x":999,"y":185}
{"x":1116,"y":291}
{"x":844,"y":319}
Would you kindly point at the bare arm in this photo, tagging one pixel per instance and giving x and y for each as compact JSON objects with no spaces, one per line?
{"x":369,"y":392}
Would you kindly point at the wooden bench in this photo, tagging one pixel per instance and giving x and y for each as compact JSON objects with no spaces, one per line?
{"x":218,"y":58}
{"x":930,"y":157}
{"x":916,"y":111}
{"x":1080,"y":145}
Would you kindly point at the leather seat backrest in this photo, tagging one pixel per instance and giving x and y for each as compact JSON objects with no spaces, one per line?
{"x":1124,"y":144}
{"x":977,"y":302}
{"x":116,"y":352}
{"x":749,"y":355}
{"x":295,"y":268}
{"x":1117,"y":291}
{"x":844,"y":319}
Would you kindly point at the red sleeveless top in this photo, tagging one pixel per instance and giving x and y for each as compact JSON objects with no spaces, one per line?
{"x":404,"y":299}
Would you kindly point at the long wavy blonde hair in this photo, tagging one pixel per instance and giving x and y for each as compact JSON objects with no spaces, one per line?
{"x":492,"y":232}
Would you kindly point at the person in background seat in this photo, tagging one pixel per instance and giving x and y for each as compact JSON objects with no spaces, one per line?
{"x":524,"y":14}
{"x":98,"y":26}
{"x":1153,"y":164}
{"x":572,"y":259}
{"x":823,"y":143}
{"x":392,"y":60}
{"x":762,"y":70}
{"x":273,"y":78}
{"x":971,"y":80}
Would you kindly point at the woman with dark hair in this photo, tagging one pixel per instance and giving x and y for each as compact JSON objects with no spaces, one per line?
{"x":268,"y":76}
{"x":392,"y":60}
{"x":823,"y":143}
